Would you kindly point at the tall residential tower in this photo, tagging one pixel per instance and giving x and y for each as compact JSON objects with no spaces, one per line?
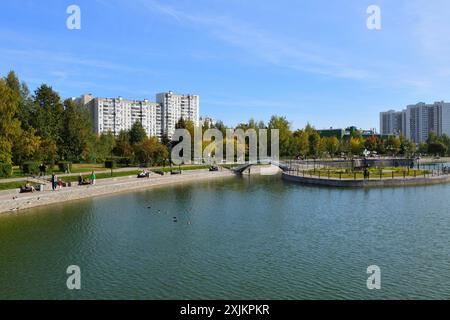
{"x":174,"y":107}
{"x":417,"y":121}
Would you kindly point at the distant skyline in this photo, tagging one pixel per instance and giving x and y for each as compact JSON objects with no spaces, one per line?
{"x":312,"y":61}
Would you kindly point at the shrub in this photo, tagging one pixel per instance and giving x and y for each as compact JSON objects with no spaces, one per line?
{"x":110,"y":164}
{"x":30,"y":167}
{"x":120,"y":161}
{"x":5,"y":170}
{"x":65,"y":166}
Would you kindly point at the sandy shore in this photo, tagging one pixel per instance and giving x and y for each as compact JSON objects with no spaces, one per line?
{"x":11,"y":202}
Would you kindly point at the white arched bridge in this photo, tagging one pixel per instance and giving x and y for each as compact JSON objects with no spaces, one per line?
{"x":240,"y":169}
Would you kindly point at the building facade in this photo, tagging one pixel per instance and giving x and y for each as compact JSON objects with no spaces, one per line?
{"x":117,"y":114}
{"x":391,"y":122}
{"x":174,"y":107}
{"x":417,"y":121}
{"x":157,"y":118}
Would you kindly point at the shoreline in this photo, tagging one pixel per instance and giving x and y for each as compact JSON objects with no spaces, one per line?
{"x":367,"y":183}
{"x":23,"y":202}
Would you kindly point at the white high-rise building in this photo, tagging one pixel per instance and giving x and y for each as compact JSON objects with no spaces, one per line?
{"x":158,"y":118}
{"x":117,"y":114}
{"x":417,"y":121}
{"x":174,"y":107}
{"x":391,"y":122}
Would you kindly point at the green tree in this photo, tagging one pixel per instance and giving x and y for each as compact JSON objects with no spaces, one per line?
{"x":123,"y":147}
{"x":137,"y":133}
{"x":26,"y":146}
{"x":300,"y":138}
{"x":285,"y":134}
{"x":181,"y":124}
{"x":423,"y":148}
{"x":48,"y":114}
{"x":76,"y":132}
{"x":103,"y":147}
{"x":437,"y":148}
{"x":151,"y":151}
{"x":314,"y":143}
{"x":393,"y":145}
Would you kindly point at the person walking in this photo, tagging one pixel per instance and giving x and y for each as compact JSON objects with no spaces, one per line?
{"x":54,"y":181}
{"x":93,"y":177}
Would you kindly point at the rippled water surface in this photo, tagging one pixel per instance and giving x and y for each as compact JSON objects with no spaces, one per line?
{"x":236,"y":238}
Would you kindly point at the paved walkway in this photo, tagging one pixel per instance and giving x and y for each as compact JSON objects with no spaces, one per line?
{"x":13,"y":202}
{"x":39,"y":179}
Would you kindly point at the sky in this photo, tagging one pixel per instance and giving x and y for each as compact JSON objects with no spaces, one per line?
{"x":313,"y":61}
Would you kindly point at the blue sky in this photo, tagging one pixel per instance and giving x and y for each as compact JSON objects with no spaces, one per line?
{"x":312,"y":61}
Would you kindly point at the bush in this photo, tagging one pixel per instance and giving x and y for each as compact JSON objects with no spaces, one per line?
{"x":5,"y":170}
{"x":65,"y":166}
{"x":120,"y":161}
{"x":110,"y":164}
{"x":30,"y":167}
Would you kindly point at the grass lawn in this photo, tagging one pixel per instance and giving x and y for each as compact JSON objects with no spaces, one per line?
{"x":76,"y":168}
{"x":385,"y":173}
{"x":13,"y":185}
{"x":102,"y":175}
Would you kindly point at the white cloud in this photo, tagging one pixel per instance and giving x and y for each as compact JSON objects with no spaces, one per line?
{"x":270,"y":48}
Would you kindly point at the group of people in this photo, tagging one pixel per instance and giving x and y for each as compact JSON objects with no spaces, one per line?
{"x":27,"y":188}
{"x":82,"y":181}
{"x":56,"y":182}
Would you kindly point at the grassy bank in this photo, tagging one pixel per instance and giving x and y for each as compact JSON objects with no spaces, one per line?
{"x":14,"y":185}
{"x":105,"y":175}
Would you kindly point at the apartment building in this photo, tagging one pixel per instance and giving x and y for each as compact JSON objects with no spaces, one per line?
{"x":117,"y":114}
{"x":158,"y":118}
{"x":174,"y":107}
{"x":417,"y":121}
{"x":391,"y":122}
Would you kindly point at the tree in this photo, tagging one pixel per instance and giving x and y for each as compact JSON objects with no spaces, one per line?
{"x":300,"y":138}
{"x":285,"y":134}
{"x":332,"y":145}
{"x":181,"y":124}
{"x":314,"y":143}
{"x":437,"y":148}
{"x":371,"y":143}
{"x":26,"y":147}
{"x":103,"y":146}
{"x":393,"y":145}
{"x":10,"y":129}
{"x":150,"y":151}
{"x":356,"y":145}
{"x":76,"y":132}
{"x":47,"y":152}
{"x":123,"y":147}
{"x":137,"y":133}
{"x":47,"y":117}
{"x":423,"y":148}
